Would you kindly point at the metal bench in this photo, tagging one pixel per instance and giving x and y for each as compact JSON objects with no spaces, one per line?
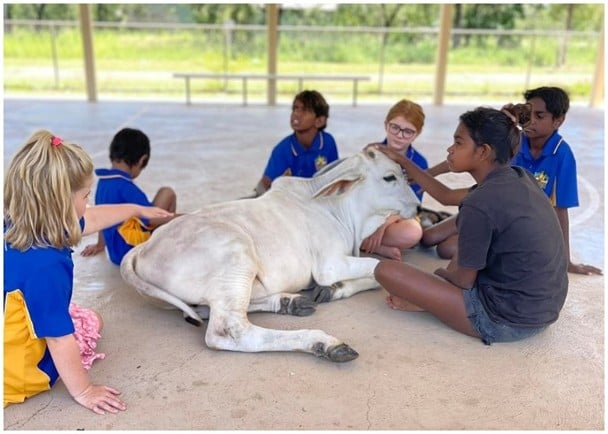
{"x":187,"y":76}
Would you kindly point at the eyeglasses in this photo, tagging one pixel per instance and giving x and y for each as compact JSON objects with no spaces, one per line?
{"x":395,"y":129}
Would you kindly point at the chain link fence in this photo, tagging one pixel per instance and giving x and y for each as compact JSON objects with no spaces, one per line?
{"x":138,"y":61}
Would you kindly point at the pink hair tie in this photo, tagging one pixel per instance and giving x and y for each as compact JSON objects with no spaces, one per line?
{"x":56,"y":141}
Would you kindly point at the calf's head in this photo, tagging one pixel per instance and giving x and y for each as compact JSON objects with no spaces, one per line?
{"x":368,"y":183}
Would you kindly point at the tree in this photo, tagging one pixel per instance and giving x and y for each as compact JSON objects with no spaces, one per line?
{"x":489,"y":16}
{"x":220,"y":13}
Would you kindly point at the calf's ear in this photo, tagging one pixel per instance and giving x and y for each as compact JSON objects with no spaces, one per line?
{"x":337,"y":188}
{"x":341,"y":177}
{"x":371,"y":152}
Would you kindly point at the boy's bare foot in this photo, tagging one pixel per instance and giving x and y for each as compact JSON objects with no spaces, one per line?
{"x":398,"y":303}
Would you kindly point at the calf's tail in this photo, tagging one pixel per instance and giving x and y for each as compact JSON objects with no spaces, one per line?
{"x":128,"y":271}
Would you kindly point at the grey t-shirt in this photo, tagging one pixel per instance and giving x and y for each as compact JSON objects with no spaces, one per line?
{"x":509,"y":232}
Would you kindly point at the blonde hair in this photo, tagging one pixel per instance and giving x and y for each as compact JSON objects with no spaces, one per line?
{"x":38,"y":187}
{"x":409,"y":110}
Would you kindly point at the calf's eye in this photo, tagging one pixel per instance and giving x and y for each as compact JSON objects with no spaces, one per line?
{"x":390,"y":178}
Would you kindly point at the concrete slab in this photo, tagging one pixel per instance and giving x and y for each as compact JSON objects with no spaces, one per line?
{"x":412,"y":373}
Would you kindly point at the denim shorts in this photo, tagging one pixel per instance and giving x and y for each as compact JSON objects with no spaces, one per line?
{"x":489,"y":330}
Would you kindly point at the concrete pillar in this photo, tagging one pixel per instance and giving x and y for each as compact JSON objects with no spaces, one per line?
{"x":443,"y":45}
{"x":272,"y":22}
{"x":597,"y":89}
{"x":86,"y":29}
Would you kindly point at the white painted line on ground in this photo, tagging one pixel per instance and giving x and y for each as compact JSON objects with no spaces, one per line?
{"x":591,"y":208}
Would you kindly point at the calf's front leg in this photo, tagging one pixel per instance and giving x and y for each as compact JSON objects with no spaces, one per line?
{"x":343,"y":277}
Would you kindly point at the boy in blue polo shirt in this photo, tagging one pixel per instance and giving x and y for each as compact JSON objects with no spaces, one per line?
{"x":308,"y":149}
{"x":548,"y":157}
{"x":129,"y":154}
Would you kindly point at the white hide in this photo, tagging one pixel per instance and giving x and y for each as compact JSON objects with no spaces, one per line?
{"x":257,"y":254}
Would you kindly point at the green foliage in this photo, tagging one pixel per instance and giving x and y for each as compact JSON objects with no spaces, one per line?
{"x":32,"y":11}
{"x":490,"y":16}
{"x":467,"y":15}
{"x":140,"y":61}
{"x":220,"y":13}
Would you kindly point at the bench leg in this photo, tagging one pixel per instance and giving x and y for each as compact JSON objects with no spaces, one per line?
{"x":187,"y":90}
{"x":244,"y":91}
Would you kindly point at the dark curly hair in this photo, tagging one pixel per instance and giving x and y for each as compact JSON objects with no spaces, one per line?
{"x":556,"y":99}
{"x":129,"y":145}
{"x":313,"y":100}
{"x":497,"y":129}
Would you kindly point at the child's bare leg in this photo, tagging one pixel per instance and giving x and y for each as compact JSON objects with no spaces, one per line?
{"x":166,"y":199}
{"x":439,"y":232}
{"x":427,"y":291}
{"x":397,"y":303}
{"x":403,"y":234}
{"x":447,"y":248}
{"x":400,"y":235}
{"x":388,"y":252}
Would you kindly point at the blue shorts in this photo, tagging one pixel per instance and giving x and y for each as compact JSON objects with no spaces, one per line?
{"x":489,"y":330}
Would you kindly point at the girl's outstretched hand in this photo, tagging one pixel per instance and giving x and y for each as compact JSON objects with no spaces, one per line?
{"x":151,"y":212}
{"x":100,"y":399}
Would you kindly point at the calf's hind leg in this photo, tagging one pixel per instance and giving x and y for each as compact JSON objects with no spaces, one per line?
{"x":284,"y":303}
{"x":231,"y":330}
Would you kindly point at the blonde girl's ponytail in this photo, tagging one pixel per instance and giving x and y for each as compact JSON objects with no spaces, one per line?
{"x":38,"y":188}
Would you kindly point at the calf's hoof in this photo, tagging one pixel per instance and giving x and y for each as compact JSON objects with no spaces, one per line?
{"x":322,"y":294}
{"x":341,"y":353}
{"x":298,"y":306}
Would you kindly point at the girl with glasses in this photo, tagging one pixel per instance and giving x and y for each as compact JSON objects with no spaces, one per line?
{"x":403,"y":124}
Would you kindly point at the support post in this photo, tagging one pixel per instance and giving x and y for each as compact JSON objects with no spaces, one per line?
{"x":86,"y":29}
{"x":445,"y":30}
{"x":597,"y":88}
{"x":188,"y":101}
{"x":272,"y":22}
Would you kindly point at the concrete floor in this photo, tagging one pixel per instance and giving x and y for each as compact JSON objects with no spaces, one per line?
{"x":412,"y":373}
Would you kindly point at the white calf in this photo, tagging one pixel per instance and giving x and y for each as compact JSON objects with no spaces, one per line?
{"x":257,"y":254}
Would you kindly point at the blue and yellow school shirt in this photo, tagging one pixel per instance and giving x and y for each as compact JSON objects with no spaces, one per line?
{"x":37,"y":292}
{"x":412,"y":154}
{"x":290,"y":158}
{"x":554,"y":170}
{"x":116,"y":187}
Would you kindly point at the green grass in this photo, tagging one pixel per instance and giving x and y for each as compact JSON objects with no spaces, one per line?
{"x":137,"y":62}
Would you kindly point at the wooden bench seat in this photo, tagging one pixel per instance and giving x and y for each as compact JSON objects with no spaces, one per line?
{"x":188,"y":76}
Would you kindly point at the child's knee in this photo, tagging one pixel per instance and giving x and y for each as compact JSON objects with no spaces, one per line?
{"x":166,"y":192}
{"x":429,"y":238}
{"x":380,"y":271}
{"x":413,"y":233}
{"x":405,"y":233}
{"x":166,"y":198}
{"x":447,"y":249}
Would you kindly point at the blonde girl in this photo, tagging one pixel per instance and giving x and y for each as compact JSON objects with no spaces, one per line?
{"x":46,"y":191}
